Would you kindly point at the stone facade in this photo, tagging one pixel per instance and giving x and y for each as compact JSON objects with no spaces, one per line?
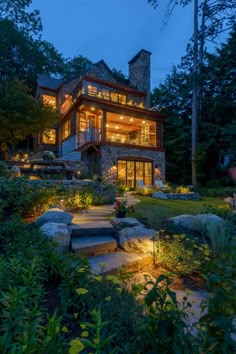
{"x":139,"y":73}
{"x":110,"y":155}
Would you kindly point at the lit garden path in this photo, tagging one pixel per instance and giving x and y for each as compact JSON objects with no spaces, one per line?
{"x":101,"y":212}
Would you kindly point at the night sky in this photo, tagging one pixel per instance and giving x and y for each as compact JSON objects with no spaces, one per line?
{"x":115,"y":30}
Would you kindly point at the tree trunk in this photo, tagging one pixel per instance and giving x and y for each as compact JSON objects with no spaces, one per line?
{"x":195,"y":96}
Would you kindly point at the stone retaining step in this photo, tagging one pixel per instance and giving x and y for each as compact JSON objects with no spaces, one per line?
{"x":99,"y":228}
{"x":93,"y":245}
{"x":109,"y":263}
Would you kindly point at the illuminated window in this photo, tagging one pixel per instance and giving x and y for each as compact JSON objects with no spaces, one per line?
{"x":66,"y":129}
{"x":49,"y":137}
{"x":50,"y":100}
{"x":92,"y":90}
{"x":114,"y":96}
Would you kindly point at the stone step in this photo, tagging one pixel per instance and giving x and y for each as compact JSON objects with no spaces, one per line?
{"x":93,"y":245}
{"x":99,"y":228}
{"x":110,"y":262}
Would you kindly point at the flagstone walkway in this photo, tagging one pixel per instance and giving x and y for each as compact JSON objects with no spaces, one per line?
{"x":102,"y":212}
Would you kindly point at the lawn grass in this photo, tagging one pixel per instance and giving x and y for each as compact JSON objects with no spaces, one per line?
{"x":153,"y":211}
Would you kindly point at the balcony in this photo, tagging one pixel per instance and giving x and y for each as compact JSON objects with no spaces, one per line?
{"x":109,"y":94}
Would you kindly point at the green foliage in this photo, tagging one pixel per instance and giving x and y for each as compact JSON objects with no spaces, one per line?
{"x":105,"y":194}
{"x":4,"y":172}
{"x":18,"y":13}
{"x":22,"y":57}
{"x":120,"y":188}
{"x":21,"y":114}
{"x":182,"y":189}
{"x":26,"y":264}
{"x":76,"y":67}
{"x":166,"y":328}
{"x":20,"y":196}
{"x":217,"y":325}
{"x":145,"y":190}
{"x":181,"y":254}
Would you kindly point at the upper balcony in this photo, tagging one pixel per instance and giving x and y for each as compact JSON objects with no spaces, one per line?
{"x":111,"y":93}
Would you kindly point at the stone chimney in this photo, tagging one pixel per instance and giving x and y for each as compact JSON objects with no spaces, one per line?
{"x":139,"y":73}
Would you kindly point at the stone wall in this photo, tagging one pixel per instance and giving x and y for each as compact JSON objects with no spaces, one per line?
{"x":183,"y":196}
{"x":139,"y":73}
{"x":110,"y":154}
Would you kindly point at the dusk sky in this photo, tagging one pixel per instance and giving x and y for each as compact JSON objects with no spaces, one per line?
{"x":115,"y":30}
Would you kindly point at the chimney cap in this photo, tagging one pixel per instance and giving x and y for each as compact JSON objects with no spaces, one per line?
{"x":138,"y":55}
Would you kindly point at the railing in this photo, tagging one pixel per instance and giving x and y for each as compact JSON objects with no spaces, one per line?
{"x":137,"y":140}
{"x":90,"y":135}
{"x":112,"y":96}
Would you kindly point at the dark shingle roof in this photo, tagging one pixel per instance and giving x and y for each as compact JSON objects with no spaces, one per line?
{"x":49,"y":82}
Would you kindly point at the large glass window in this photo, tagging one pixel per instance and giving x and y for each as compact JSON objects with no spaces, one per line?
{"x":50,"y":100}
{"x":66,"y":129}
{"x":130,"y":130}
{"x":49,"y":137}
{"x":130,"y":172}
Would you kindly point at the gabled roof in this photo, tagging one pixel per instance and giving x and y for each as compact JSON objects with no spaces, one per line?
{"x":49,"y":82}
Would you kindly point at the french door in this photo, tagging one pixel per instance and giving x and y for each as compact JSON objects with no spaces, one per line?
{"x":131,"y":171}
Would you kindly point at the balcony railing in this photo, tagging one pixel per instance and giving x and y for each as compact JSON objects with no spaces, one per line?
{"x":109,"y":95}
{"x":139,"y":140}
{"x":90,"y":135}
{"x":94,"y":135}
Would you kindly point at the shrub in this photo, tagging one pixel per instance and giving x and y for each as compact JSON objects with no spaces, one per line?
{"x":106,"y":194}
{"x":182,"y":189}
{"x":180,"y":254}
{"x":217,"y":325}
{"x":145,"y":190}
{"x":26,"y":266}
{"x":165,"y":328}
{"x":20,"y":196}
{"x":4,"y":172}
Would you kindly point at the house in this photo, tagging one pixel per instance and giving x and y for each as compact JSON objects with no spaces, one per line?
{"x":107,"y":122}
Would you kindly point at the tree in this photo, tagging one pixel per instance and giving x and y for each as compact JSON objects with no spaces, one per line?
{"x":217,"y":115}
{"x":21,"y":115}
{"x":174,"y":98}
{"x":23,"y":58}
{"x":76,"y":67}
{"x":217,"y":15}
{"x":17,"y":11}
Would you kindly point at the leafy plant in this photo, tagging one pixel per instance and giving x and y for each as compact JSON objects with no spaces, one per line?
{"x":180,"y":254}
{"x":166,"y":328}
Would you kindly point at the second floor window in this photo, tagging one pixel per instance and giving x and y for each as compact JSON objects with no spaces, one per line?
{"x":66,"y":129}
{"x":49,"y":137}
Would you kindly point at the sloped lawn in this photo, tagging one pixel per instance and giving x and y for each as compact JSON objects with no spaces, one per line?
{"x":154,"y":211}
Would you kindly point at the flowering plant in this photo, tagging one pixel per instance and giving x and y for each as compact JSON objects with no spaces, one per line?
{"x":121,"y":205}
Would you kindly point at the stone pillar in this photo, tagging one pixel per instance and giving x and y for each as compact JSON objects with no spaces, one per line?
{"x":139,"y":73}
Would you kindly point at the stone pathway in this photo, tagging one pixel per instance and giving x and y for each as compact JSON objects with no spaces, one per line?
{"x":102,"y":212}
{"x":92,"y":232}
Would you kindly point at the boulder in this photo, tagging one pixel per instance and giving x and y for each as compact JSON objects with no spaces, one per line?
{"x":229,"y":200}
{"x":186,"y":221}
{"x":159,"y":195}
{"x":54,"y":216}
{"x":120,"y":224}
{"x":208,"y":218}
{"x":193,"y":222}
{"x":60,"y":233}
{"x":136,"y":239}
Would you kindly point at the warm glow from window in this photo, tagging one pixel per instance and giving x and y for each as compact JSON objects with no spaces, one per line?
{"x":50,"y":100}
{"x":66,"y":129}
{"x":49,"y":137}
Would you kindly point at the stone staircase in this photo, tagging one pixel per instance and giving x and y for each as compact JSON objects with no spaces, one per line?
{"x":72,"y":156}
{"x":93,"y":238}
{"x":93,"y":235}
